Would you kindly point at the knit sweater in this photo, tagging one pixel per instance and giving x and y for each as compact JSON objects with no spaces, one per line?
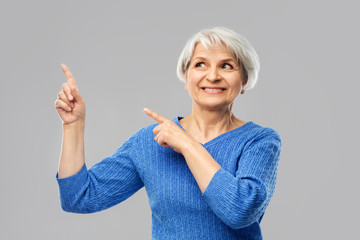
{"x":231,"y":206}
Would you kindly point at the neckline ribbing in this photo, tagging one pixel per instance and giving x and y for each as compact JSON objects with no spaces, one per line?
{"x":221,"y":136}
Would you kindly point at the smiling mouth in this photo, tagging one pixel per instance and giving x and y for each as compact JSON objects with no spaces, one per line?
{"x":213,"y":90}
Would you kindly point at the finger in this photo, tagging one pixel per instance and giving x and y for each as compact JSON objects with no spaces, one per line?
{"x":61,"y":104}
{"x":162,"y":143}
{"x":157,"y":117}
{"x":72,"y":93}
{"x":67,"y":91}
{"x":160,"y":140}
{"x":62,"y":96}
{"x":68,"y":74}
{"x":157,"y":129}
{"x":76,"y":94}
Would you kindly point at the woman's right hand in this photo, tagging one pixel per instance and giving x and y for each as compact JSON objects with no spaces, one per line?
{"x":70,"y":105}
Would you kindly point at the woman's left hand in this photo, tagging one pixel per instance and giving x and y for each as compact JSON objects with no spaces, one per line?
{"x":168,"y":133}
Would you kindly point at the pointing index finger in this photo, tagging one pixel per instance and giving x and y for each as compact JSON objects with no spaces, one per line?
{"x":68,"y":74}
{"x":157,"y":117}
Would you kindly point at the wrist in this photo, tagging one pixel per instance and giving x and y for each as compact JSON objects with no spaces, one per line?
{"x":189,"y":145}
{"x":80,"y":124}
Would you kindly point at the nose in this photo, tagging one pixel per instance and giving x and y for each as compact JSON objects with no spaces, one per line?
{"x":213,"y":75}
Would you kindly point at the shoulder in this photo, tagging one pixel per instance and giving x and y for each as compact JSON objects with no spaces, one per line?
{"x":267,"y":132}
{"x":259,"y":134}
{"x":144,"y":133}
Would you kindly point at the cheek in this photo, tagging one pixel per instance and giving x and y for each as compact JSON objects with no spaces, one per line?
{"x":192,"y":80}
{"x":236,"y":84}
{"x":194,"y":77}
{"x":189,"y":85}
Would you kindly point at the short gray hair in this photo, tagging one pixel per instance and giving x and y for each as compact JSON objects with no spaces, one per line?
{"x":237,"y":45}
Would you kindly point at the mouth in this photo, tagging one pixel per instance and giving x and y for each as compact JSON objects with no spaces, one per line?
{"x":213,"y":90}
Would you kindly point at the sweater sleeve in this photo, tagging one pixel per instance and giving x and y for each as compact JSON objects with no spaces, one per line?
{"x":107,"y":183}
{"x":241,"y":200}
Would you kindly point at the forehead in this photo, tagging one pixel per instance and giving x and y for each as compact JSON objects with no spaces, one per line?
{"x":215,"y":50}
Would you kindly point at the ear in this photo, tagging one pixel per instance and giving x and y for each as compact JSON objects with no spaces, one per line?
{"x":244,"y":84}
{"x":185,"y":86}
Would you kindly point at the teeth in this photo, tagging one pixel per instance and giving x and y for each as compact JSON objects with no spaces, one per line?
{"x":213,"y":89}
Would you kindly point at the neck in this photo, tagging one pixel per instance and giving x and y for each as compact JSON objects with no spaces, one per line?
{"x":209,"y":123}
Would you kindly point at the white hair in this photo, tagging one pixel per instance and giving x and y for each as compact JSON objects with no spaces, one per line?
{"x":237,"y":45}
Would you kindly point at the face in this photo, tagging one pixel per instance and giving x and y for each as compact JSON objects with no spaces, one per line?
{"x":214,"y":78}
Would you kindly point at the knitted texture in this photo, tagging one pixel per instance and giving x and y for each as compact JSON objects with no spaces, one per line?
{"x":231,"y":207}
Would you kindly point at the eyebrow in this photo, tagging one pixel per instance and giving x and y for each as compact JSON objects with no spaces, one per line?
{"x":228,"y":60}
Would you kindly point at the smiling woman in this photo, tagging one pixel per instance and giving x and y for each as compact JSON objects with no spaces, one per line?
{"x":208,"y":175}
{"x":214,"y":78}
{"x":239,"y":48}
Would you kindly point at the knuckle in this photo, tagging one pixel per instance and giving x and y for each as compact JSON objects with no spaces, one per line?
{"x":73,"y":88}
{"x":57,"y":103}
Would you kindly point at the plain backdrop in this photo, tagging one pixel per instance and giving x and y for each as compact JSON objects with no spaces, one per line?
{"x":123,"y":55}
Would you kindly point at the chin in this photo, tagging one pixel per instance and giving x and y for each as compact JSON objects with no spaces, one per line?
{"x":214,"y":106}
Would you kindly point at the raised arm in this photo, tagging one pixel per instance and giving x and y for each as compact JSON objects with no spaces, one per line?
{"x":71,"y":108}
{"x":108,"y":182}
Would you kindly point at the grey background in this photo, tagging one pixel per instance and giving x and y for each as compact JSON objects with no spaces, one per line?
{"x":123,"y":56}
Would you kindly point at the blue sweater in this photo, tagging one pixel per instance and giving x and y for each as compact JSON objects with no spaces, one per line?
{"x":231,"y":207}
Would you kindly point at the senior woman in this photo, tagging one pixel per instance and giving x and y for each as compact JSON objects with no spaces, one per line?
{"x":209,"y":175}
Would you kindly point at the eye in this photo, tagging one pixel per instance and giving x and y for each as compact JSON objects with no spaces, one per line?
{"x":227,"y":66}
{"x":200,"y":64}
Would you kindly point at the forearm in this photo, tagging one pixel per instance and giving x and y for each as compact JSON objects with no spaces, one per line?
{"x":201,"y":164}
{"x":72,"y":156}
